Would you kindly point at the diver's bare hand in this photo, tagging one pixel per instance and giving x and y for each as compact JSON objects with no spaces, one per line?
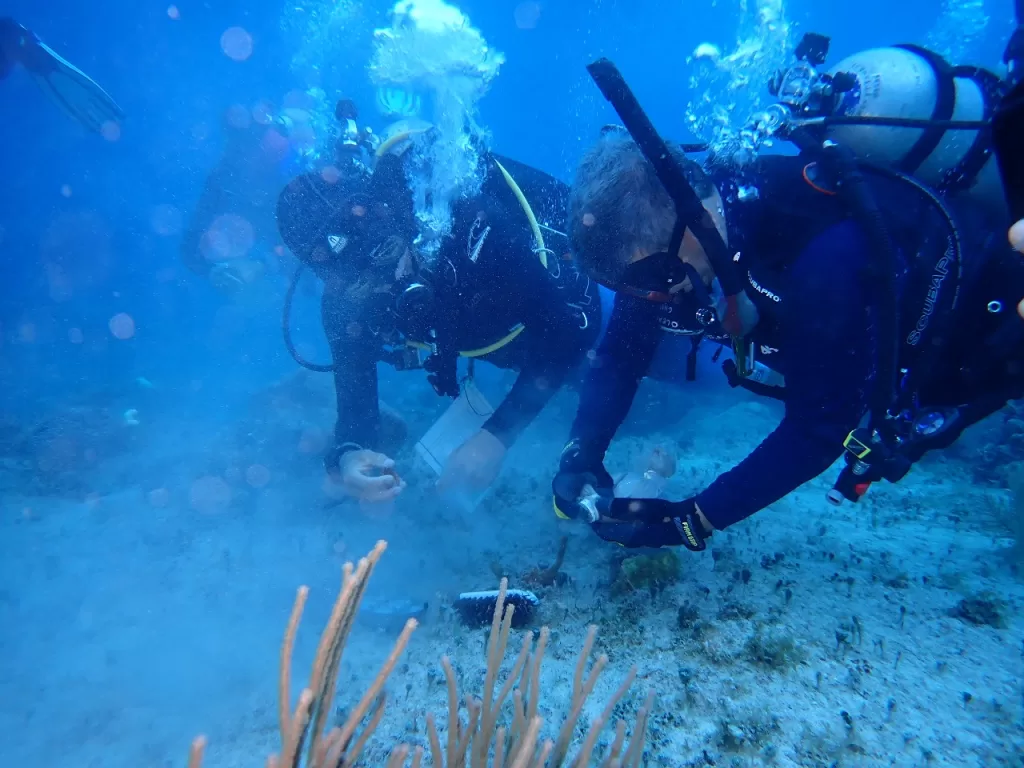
{"x":369,"y":476}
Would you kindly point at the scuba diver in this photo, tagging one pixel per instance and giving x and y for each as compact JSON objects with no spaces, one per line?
{"x":66,"y":85}
{"x":878,"y":311}
{"x":497,"y":290}
{"x":234,"y":215}
{"x":234,"y":225}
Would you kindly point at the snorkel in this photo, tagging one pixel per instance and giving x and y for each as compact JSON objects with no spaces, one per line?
{"x":739,"y":314}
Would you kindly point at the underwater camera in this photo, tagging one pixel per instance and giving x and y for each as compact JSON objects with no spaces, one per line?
{"x":802,"y":88}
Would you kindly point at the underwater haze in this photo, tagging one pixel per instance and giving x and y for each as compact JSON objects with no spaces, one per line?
{"x":162,"y":483}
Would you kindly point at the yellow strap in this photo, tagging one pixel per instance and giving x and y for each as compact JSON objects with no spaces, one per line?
{"x":542,"y":252}
{"x":496,"y":345}
{"x":516,"y":330}
{"x":538,"y":236}
{"x":558,"y":513}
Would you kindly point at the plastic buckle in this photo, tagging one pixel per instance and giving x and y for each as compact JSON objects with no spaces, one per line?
{"x":857,"y":447}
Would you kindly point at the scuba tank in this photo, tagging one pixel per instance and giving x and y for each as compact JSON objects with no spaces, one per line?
{"x":901,"y":107}
{"x":913,"y":83}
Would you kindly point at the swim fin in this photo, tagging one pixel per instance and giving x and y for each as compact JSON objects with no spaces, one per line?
{"x":71,"y":89}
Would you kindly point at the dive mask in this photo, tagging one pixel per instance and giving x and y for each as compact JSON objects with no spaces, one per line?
{"x":660,"y":278}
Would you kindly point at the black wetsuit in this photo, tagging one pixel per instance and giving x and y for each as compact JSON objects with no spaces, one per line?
{"x":244,"y":184}
{"x":480,"y":301}
{"x":809,"y":277}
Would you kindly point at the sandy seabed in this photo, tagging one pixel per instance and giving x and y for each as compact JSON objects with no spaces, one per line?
{"x":150,"y":607}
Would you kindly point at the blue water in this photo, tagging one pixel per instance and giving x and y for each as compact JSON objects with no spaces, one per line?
{"x":146,"y":572}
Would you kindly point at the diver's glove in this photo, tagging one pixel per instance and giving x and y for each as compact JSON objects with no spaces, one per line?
{"x":653,"y":523}
{"x":578,"y":468}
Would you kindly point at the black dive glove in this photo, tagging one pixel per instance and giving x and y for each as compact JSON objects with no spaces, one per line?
{"x":653,"y":523}
{"x":577,"y":468}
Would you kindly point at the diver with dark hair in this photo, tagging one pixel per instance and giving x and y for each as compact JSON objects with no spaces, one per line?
{"x":66,"y":85}
{"x":881,"y":315}
{"x":497,"y":290}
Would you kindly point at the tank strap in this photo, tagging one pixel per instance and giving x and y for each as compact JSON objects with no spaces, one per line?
{"x":945,"y":101}
{"x":962,"y":176}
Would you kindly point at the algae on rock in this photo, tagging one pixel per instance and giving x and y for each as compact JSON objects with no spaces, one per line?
{"x":647,"y":572}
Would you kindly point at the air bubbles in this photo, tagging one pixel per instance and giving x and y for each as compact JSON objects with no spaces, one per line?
{"x":527,"y":14}
{"x":236,"y":44}
{"x":302,"y":138}
{"x":122,"y":326}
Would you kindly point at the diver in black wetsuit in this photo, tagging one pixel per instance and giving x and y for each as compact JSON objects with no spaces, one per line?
{"x":233,"y":219}
{"x":811,"y":269}
{"x":233,"y":224}
{"x":494,"y":291}
{"x":69,"y":88}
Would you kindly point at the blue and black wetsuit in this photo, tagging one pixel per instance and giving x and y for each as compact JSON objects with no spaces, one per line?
{"x":494,"y":289}
{"x":810,"y":279}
